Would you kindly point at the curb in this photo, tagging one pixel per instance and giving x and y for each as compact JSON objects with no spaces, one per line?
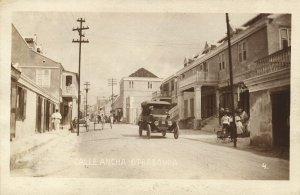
{"x":15,"y":157}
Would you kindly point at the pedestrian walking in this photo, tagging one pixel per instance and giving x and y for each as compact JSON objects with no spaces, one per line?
{"x":56,"y":117}
{"x":101,"y":117}
{"x":239,"y":124}
{"x":111,"y":119}
{"x":221,"y":114}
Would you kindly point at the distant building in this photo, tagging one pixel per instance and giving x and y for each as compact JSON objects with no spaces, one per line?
{"x":135,"y":89}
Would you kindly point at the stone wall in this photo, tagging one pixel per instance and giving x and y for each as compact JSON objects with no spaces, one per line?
{"x":260,"y":123}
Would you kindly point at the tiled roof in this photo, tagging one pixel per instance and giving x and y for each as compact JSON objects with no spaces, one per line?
{"x":142,"y":72}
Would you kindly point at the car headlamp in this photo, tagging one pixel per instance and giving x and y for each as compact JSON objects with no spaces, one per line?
{"x":156,"y":123}
{"x":169,"y":123}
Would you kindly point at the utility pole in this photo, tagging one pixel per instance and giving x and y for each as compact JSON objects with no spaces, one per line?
{"x":79,"y":29}
{"x":112,"y":82}
{"x":231,"y":80}
{"x":86,"y":84}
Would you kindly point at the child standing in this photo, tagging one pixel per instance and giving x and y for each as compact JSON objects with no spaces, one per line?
{"x":226,"y":120}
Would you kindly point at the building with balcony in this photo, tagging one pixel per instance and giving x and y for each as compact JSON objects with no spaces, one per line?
{"x":135,"y":89}
{"x":260,"y":59}
{"x":69,"y":104}
{"x":269,"y":87}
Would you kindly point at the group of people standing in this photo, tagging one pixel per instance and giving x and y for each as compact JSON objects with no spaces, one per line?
{"x":241,"y":121}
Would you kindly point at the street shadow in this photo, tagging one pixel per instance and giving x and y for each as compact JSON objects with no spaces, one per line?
{"x":144,"y":136}
{"x":276,"y":152}
{"x":92,"y":140}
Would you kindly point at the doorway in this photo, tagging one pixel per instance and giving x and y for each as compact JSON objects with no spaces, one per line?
{"x":281,"y":118}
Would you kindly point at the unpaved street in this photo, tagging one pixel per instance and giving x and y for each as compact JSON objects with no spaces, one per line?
{"x":121,"y":153}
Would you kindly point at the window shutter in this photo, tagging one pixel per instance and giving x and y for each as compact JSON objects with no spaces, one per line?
{"x":39,"y":77}
{"x":19,"y":104}
{"x":289,"y":31}
{"x":24,"y":103}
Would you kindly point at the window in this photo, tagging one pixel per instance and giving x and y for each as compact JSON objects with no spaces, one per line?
{"x":192,"y":107}
{"x":186,"y":108}
{"x":166,"y":87}
{"x":130,"y":84}
{"x":149,"y":85}
{"x":205,"y":67}
{"x":21,"y":103}
{"x":43,"y":77}
{"x":172,"y":85}
{"x":285,"y":38}
{"x":242,"y":49}
{"x":222,"y":61}
{"x":68,"y":80}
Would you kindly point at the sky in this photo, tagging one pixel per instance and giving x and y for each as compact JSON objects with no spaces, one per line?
{"x":121,"y":43}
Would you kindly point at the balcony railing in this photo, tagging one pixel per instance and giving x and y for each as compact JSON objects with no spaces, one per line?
{"x":69,"y":91}
{"x":274,"y":62}
{"x":161,"y":94}
{"x":200,"y":77}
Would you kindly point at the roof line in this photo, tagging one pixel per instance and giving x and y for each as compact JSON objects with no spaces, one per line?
{"x":32,"y":49}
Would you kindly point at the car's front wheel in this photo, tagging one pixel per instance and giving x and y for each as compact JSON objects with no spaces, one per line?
{"x":148,"y":131}
{"x":176,"y":132}
{"x":140,"y":130}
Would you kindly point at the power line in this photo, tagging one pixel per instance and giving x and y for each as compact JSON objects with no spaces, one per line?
{"x":155,"y":43}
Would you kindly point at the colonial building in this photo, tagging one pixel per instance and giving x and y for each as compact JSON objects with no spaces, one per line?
{"x":38,"y":83}
{"x":261,"y":76}
{"x":31,"y":106}
{"x":44,"y":71}
{"x":135,"y":89}
{"x":69,"y":104}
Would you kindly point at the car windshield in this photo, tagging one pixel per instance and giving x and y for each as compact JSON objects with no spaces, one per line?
{"x":160,"y":109}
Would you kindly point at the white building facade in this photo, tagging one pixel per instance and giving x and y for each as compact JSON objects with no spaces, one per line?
{"x":135,"y":89}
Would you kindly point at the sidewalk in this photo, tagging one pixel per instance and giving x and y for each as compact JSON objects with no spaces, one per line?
{"x":23,"y":146}
{"x":210,"y":137}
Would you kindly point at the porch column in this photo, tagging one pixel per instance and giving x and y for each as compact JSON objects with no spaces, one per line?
{"x":197,"y":107}
{"x":217,"y":102}
{"x":180,"y":105}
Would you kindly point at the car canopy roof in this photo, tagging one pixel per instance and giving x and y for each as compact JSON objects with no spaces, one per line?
{"x":145,"y":103}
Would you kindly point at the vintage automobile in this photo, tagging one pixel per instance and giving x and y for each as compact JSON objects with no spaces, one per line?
{"x":156,"y":119}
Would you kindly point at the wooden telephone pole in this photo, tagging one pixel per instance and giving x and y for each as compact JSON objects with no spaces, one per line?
{"x":79,"y":29}
{"x":233,"y":127}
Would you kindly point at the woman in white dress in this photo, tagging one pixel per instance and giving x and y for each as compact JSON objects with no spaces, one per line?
{"x":239,"y":124}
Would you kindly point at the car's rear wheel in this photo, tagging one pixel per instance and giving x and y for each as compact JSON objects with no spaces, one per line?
{"x":140,"y":130}
{"x":164,"y":133}
{"x":176,"y":132}
{"x":148,"y":131}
